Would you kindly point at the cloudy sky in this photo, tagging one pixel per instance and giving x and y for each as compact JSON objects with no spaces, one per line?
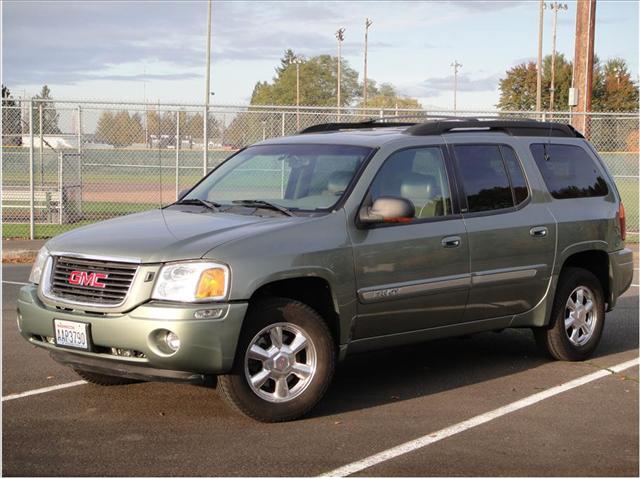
{"x":129,"y":50}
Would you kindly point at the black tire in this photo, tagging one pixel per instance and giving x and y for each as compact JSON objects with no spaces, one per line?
{"x":103,"y":380}
{"x":554,"y":340}
{"x":235,"y":388}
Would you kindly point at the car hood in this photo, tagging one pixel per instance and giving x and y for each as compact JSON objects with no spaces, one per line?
{"x":163,"y":235}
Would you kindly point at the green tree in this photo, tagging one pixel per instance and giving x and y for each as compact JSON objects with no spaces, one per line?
{"x":613,"y":89}
{"x":120,"y":128}
{"x":50,"y":116}
{"x":318,"y":83}
{"x":386,"y":96}
{"x":11,"y":120}
{"x":620,"y":92}
{"x":518,"y":87}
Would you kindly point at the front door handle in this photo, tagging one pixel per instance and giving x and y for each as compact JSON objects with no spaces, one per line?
{"x":539,"y":231}
{"x":451,"y":241}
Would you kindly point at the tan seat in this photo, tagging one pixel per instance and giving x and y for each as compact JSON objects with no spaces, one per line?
{"x":423,"y":191}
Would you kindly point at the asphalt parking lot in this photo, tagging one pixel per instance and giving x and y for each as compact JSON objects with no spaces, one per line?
{"x":378,"y":401}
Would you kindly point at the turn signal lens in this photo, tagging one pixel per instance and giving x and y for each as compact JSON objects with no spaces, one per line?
{"x":212,"y":284}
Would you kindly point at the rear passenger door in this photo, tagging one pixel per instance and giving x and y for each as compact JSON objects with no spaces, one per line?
{"x":511,"y":237}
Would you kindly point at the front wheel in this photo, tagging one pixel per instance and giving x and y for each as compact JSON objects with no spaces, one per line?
{"x":577,"y":318}
{"x":284,"y":363}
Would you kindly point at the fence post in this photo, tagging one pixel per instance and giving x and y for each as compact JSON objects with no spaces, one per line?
{"x":205,"y":146}
{"x":31,"y":174}
{"x":41,"y":150}
{"x":177,"y":153}
{"x":283,"y":122}
{"x":79,"y":133}
{"x":60,"y":201}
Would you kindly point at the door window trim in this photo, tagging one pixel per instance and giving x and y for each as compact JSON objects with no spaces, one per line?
{"x":451,"y":181}
{"x":462,"y":194}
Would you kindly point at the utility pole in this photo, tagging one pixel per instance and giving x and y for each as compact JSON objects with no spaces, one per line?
{"x":207,"y":94}
{"x":456,"y":66}
{"x":555,"y":7}
{"x":539,"y":64}
{"x":340,"y":37}
{"x":297,"y":61}
{"x":367,"y":24}
{"x":582,"y":80}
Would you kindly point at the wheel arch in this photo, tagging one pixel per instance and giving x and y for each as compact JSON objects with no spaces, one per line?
{"x":594,"y":260}
{"x":312,"y":290}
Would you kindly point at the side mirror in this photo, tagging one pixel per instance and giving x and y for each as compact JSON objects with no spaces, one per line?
{"x":388,"y":209}
{"x":182,"y":194}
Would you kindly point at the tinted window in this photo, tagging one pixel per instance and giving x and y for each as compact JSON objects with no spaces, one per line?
{"x":568,"y":171}
{"x":484,"y":177}
{"x":518,"y":183}
{"x":418,"y":175}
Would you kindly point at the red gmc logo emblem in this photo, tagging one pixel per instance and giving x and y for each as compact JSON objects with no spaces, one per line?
{"x":91,"y":279}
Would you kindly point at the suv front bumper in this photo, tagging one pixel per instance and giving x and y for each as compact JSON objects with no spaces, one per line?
{"x":208,"y":346}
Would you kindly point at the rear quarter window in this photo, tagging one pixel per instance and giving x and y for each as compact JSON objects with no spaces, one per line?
{"x":569,"y":171}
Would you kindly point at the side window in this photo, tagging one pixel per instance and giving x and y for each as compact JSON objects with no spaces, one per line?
{"x":518,"y":183}
{"x":484,"y":177}
{"x":568,"y":171}
{"x":418,"y":175}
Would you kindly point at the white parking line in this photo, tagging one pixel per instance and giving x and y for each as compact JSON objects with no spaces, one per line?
{"x":38,"y":391}
{"x":475,"y":421}
{"x":14,"y":283}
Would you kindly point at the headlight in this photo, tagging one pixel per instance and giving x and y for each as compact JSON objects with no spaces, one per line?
{"x":38,"y":265}
{"x":192,"y":282}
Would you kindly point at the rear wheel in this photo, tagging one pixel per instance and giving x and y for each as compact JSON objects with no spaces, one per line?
{"x":284,"y":363}
{"x":104,"y":380}
{"x":577,"y":318}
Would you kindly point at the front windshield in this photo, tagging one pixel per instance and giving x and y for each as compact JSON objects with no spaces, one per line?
{"x":303,"y":176}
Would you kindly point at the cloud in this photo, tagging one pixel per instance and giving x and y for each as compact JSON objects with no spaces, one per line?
{"x":64,"y":42}
{"x":435,"y":86}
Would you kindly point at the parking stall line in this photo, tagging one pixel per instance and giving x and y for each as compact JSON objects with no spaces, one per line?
{"x":14,"y":283}
{"x":473,"y":422}
{"x":39,"y":391}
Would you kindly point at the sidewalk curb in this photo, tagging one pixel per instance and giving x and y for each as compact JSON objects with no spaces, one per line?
{"x":19,"y":256}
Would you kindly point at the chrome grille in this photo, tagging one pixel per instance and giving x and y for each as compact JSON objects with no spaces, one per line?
{"x":117,"y":283}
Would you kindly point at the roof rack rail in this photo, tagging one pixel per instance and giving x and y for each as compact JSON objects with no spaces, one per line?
{"x":511,"y":127}
{"x":370,"y":123}
{"x":453,"y":124}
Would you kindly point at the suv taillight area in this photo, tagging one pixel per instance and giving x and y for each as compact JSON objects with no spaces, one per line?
{"x":623,"y":222}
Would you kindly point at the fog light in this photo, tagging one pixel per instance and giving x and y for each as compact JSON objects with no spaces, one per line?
{"x":172,"y":341}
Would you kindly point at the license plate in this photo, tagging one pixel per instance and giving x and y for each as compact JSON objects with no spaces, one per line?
{"x":71,"y":334}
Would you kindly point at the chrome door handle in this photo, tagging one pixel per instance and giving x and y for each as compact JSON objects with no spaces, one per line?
{"x":451,"y":241}
{"x":539,"y":231}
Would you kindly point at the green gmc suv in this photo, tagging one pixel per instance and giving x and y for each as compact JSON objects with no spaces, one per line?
{"x":345,"y":237}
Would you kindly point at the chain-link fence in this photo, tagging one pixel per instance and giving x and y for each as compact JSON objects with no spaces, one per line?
{"x":69,"y":163}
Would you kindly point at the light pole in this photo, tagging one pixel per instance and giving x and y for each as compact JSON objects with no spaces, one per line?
{"x":207,"y":92}
{"x":297,"y":60}
{"x":367,"y":24}
{"x":555,"y":7}
{"x":456,"y":66}
{"x":539,"y":64}
{"x":340,"y":37}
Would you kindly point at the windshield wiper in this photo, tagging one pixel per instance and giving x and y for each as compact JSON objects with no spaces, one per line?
{"x":260,"y":203}
{"x":202,"y":202}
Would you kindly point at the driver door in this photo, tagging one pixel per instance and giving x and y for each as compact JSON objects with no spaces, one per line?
{"x":412,"y":276}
